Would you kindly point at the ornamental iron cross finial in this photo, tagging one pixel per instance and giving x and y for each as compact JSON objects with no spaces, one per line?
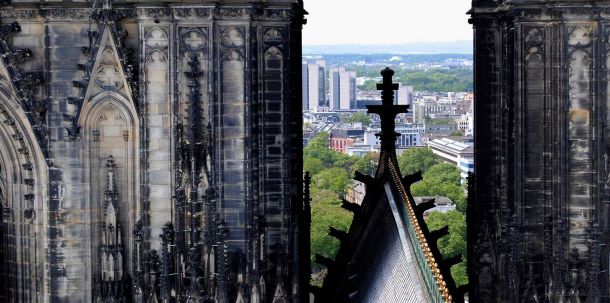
{"x":387,"y":111}
{"x":387,"y":88}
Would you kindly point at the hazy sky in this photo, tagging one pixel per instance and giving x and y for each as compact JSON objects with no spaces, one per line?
{"x":386,"y":21}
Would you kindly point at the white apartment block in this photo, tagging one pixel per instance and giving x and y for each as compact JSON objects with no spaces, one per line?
{"x":456,"y":153}
{"x":410,"y":135}
{"x":342,"y":89}
{"x":314,"y":84}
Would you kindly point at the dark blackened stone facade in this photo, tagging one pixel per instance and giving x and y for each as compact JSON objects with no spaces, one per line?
{"x":150,"y":151}
{"x":539,"y":217}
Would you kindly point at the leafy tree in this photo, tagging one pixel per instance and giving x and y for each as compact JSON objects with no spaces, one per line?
{"x":454,"y":243}
{"x":307,"y":125}
{"x":368,"y":85}
{"x":333,"y":179}
{"x":416,"y":159}
{"x":431,"y":188}
{"x":442,"y":180}
{"x":360,"y":117}
{"x":344,"y":117}
{"x":318,"y":149}
{"x":326,"y":211}
{"x":367,"y":164}
{"x":343,"y":161}
{"x":434,"y":79}
{"x":313,"y":165}
{"x":438,"y":80}
{"x":456,"y":134}
{"x":443,"y":173}
{"x":331,"y":172}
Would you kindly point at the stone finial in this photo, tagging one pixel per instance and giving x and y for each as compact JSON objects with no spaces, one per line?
{"x":107,"y":4}
{"x":387,"y":111}
{"x":111,"y":165}
{"x":386,"y":87}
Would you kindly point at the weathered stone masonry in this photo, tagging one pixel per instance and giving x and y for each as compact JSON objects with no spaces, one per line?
{"x":184,"y":114}
{"x":539,"y":220}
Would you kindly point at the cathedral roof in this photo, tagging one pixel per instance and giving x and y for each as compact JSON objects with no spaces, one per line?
{"x":388,"y":254}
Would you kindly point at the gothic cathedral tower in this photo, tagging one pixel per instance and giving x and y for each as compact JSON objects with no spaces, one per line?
{"x":539,"y":219}
{"x":150,"y":151}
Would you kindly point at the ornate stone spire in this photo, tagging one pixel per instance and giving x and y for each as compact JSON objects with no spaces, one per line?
{"x":255,"y":296}
{"x":111,"y":249}
{"x":280,"y":294}
{"x":107,"y":4}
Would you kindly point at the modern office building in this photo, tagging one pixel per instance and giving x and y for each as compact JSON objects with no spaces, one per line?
{"x":410,"y":135}
{"x":457,"y":153}
{"x":342,"y":91}
{"x":305,"y":85}
{"x":423,"y":109}
{"x":465,"y":124}
{"x":314,"y":84}
{"x":404,"y":96}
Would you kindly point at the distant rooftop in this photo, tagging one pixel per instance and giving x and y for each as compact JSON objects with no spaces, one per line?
{"x":451,"y":144}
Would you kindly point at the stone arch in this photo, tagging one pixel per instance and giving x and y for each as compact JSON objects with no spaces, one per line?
{"x":273,"y":36}
{"x":274,"y":53}
{"x":23,"y":204}
{"x":110,"y":127}
{"x":232,"y":37}
{"x":155,"y":71}
{"x":194,"y":39}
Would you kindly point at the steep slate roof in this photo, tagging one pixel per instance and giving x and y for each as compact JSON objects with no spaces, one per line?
{"x":388,"y":254}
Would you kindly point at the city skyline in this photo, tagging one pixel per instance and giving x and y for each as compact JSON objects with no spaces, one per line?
{"x":361,"y":24}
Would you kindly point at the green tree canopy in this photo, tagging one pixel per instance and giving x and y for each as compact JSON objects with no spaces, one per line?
{"x":456,"y":134}
{"x":434,"y":79}
{"x":430,"y":188}
{"x":454,"y":243}
{"x":442,"y":179}
{"x":313,"y":165}
{"x":368,"y":85}
{"x":307,"y":125}
{"x":333,"y":179}
{"x":326,"y":211}
{"x":443,"y":173}
{"x":318,"y":149}
{"x":415,"y":159}
{"x":438,"y":80}
{"x":331,"y":172}
{"x":367,"y":164}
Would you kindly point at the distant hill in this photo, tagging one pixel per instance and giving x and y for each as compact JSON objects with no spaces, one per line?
{"x":454,"y":47}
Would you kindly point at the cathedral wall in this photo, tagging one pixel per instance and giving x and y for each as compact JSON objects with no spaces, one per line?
{"x":159,"y":124}
{"x":274,"y":126}
{"x":72,"y":253}
{"x":217,"y":133}
{"x":542,"y":148}
{"x":230,"y":116}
